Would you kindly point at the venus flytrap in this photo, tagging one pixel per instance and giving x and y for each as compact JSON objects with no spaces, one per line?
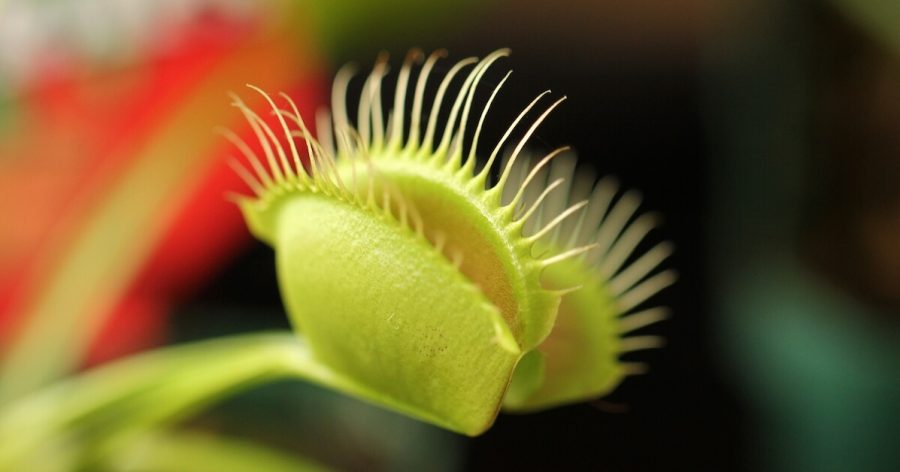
{"x":412,"y":275}
{"x":412,"y":280}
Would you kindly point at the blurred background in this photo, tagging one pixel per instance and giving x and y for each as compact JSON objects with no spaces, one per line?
{"x":766,"y":133}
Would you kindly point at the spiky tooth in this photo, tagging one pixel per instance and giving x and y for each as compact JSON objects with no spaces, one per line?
{"x":641,"y":292}
{"x":556,"y":221}
{"x":565,"y":255}
{"x":425,"y":149}
{"x":482,"y":176}
{"x":470,"y":160}
{"x":512,"y":160}
{"x":626,"y":243}
{"x":640,"y":268}
{"x":639,"y":343}
{"x":641,"y":319}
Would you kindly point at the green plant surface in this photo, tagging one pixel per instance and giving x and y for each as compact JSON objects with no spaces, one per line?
{"x":202,"y":452}
{"x":410,"y":273}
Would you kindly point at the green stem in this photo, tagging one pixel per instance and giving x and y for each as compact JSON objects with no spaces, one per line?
{"x":200,"y":452}
{"x":108,"y":407}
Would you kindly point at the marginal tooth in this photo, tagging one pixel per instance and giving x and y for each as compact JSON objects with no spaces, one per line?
{"x":515,"y":188}
{"x":236,"y":198}
{"x":540,"y":119}
{"x":339,"y":106}
{"x":641,"y":319}
{"x":532,"y":193}
{"x":479,"y":72}
{"x":412,"y":143}
{"x":482,"y":176}
{"x":641,"y":292}
{"x":582,"y":182}
{"x":324,"y":132}
{"x":565,"y":255}
{"x":626,"y":243}
{"x":436,"y":106}
{"x":463,"y":92}
{"x":286,"y":167}
{"x":325,"y":162}
{"x":364,"y":110}
{"x":639,"y":343}
{"x":613,"y":224}
{"x":522,"y":184}
{"x":601,"y":197}
{"x":300,"y":171}
{"x":470,"y":161}
{"x":378,"y":74}
{"x":247,"y":177}
{"x":354,"y":181}
{"x":640,"y":268}
{"x":396,"y":130}
{"x":257,"y":124}
{"x":504,"y":160}
{"x":251,"y":156}
{"x":556,"y":221}
{"x":562,"y":168}
{"x":537,"y":203}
